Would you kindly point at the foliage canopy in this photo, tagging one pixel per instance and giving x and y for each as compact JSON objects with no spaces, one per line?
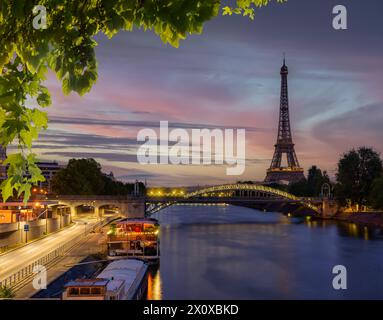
{"x":67,"y":47}
{"x":357,"y":170}
{"x":376,"y":194}
{"x":84,"y":177}
{"x":312,"y":186}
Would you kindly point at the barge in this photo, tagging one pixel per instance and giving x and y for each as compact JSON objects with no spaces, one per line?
{"x":120,"y":280}
{"x":134,"y":238}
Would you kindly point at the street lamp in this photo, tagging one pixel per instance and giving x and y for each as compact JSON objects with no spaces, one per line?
{"x":85,"y":223}
{"x":46,"y":220}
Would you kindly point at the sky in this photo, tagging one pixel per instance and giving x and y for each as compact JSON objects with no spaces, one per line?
{"x":228,"y":77}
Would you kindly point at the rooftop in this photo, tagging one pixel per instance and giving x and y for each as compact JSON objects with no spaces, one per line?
{"x":87,"y":283}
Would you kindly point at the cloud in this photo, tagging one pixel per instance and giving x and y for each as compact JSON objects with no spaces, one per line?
{"x":360,"y":127}
{"x":229,"y":77}
{"x":117,"y":157}
{"x":142,"y":124}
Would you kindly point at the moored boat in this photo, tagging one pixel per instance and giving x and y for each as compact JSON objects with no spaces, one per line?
{"x":125,"y":279}
{"x":134,"y":238}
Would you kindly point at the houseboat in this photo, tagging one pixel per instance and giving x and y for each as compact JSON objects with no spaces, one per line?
{"x":134,"y":238}
{"x":120,"y":280}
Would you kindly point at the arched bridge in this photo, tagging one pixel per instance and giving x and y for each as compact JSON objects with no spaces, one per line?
{"x":250,"y":195}
{"x":128,"y":206}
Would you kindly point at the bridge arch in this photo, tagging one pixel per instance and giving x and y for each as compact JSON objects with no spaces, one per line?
{"x":231,"y":193}
{"x":251,"y":189}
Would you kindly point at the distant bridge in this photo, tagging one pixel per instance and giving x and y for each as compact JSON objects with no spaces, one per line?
{"x":129,"y":206}
{"x":250,"y":195}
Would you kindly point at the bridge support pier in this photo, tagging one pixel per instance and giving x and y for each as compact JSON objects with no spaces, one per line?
{"x":55,"y":212}
{"x":328,"y":208}
{"x":97,"y":211}
{"x":73,"y":212}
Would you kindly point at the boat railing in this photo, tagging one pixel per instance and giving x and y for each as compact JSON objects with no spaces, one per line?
{"x":126,"y":238}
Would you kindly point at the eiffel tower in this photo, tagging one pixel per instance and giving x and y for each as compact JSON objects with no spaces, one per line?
{"x":293,"y":172}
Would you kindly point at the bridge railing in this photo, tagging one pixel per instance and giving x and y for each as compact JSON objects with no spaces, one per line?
{"x":308,"y":202}
{"x":245,"y":187}
{"x":93,"y":197}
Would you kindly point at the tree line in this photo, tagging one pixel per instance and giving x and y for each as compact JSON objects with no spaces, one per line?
{"x":84,"y":177}
{"x":358,"y":180}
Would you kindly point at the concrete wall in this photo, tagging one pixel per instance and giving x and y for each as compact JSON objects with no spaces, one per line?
{"x":12,"y":234}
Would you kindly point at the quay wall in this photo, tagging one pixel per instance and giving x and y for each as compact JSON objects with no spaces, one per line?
{"x":13,"y":234}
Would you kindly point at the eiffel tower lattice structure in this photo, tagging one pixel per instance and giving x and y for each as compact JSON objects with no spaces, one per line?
{"x":292,"y":172}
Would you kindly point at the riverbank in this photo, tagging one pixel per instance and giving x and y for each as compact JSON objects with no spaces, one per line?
{"x":372,"y":219}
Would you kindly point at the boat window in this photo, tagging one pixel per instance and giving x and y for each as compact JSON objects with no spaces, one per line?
{"x":73,"y":291}
{"x":84,"y":291}
{"x":116,"y":245}
{"x":95,"y":291}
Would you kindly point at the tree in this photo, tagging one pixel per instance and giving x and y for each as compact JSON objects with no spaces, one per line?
{"x":312,"y":186}
{"x":315,"y":180}
{"x":376,"y":194}
{"x":84,"y":177}
{"x":66,"y":46}
{"x":299,"y":188}
{"x":81,"y":176}
{"x":357,"y":169}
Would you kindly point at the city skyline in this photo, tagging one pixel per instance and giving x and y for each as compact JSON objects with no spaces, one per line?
{"x":229,"y":77}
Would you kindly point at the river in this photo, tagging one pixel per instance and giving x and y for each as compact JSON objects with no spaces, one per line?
{"x":228,"y":252}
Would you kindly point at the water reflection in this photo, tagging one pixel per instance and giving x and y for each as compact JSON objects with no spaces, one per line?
{"x":154,"y":284}
{"x":241,"y":253}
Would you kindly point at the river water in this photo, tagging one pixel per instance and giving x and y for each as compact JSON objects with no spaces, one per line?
{"x":227,"y":252}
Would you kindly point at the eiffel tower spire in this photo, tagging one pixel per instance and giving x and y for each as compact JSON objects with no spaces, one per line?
{"x":293,"y":172}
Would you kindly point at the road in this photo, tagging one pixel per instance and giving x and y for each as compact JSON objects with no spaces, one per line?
{"x":17,"y":259}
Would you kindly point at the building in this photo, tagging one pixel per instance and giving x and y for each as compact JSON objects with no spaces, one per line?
{"x":48,"y":170}
{"x":292,"y":172}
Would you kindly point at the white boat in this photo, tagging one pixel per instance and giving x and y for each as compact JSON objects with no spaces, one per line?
{"x":125,"y":279}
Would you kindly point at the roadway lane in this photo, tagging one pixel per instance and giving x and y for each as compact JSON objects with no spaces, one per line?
{"x":17,"y":259}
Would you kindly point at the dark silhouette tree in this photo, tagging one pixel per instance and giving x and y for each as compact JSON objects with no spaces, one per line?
{"x":312,"y":186}
{"x":376,"y":194}
{"x":84,"y":177}
{"x":357,"y":169}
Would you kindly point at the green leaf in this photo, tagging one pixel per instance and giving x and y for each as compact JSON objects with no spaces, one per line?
{"x":227,"y":11}
{"x":26,"y":189}
{"x":6,"y":189}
